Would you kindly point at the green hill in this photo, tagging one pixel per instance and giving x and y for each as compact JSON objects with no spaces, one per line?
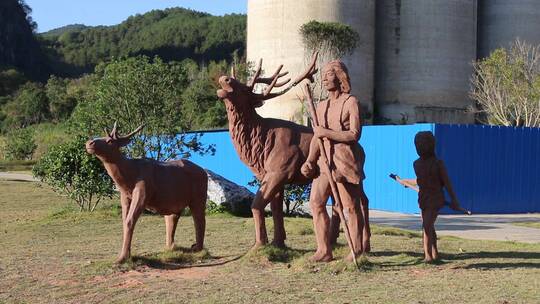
{"x":172,"y":34}
{"x":61,"y":30}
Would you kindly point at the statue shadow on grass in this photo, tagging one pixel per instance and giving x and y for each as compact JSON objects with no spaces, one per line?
{"x":182,"y":257}
{"x":409,"y":258}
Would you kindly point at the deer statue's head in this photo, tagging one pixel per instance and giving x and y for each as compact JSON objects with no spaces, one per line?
{"x":108,"y":147}
{"x":242,"y":95}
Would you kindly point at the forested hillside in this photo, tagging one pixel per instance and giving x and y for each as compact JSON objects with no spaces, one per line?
{"x":171,"y":34}
{"x":19,"y":48}
{"x":68,"y":78}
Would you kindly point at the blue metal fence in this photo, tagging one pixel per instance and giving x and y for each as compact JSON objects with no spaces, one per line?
{"x":493,"y":169}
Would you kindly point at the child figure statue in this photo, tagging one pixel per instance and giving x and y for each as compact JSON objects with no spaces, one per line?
{"x":431,"y":177}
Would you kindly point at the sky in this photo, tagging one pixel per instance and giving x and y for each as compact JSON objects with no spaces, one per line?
{"x":51,"y":14}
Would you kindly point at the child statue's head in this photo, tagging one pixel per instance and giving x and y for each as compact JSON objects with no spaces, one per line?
{"x":425,"y":144}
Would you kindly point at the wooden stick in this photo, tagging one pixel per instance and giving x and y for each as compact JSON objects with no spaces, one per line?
{"x":333,"y":186}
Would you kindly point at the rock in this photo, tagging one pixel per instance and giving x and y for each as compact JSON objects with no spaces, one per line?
{"x":234,"y":197}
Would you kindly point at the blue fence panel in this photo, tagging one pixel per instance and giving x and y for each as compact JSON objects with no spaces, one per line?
{"x":390,"y":149}
{"x":493,"y":169}
{"x":225,"y":161}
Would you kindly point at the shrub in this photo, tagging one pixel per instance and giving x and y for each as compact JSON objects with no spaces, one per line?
{"x":294,"y":197}
{"x":70,"y":171}
{"x":19,"y":144}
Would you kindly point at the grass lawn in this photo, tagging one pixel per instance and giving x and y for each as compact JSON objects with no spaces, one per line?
{"x":50,"y":253}
{"x":528,"y":224}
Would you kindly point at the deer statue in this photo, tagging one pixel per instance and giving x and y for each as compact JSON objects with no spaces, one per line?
{"x":273,"y":149}
{"x":162,"y":187}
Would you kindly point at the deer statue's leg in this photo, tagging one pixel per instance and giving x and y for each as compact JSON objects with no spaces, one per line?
{"x":198,"y":213}
{"x":277,"y":215}
{"x":170,"y":228}
{"x":135,"y":209}
{"x":125,"y":202}
{"x":268,"y":190}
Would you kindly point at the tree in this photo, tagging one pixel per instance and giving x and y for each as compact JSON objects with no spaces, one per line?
{"x":332,"y":40}
{"x":70,"y":171}
{"x":61,"y":104}
{"x":139,"y":90}
{"x":506,"y":86}
{"x":29,"y":106}
{"x":20,"y":144}
{"x":10,"y":81}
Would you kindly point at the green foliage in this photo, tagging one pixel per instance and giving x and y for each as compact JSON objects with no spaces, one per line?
{"x":213,"y":208}
{"x":171,"y":34}
{"x":20,"y":144}
{"x":61,"y":104}
{"x":70,"y":171}
{"x":29,"y":106}
{"x":332,"y":40}
{"x":10,"y":81}
{"x":48,"y":135}
{"x":506,"y":86}
{"x":294,"y":196}
{"x":139,"y":90}
{"x":18,"y":46}
{"x":336,"y":39}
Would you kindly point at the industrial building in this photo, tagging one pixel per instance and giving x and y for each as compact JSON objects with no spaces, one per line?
{"x":413,"y":62}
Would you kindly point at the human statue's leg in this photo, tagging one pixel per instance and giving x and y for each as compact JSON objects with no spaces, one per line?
{"x":320,"y":192}
{"x":349,"y":194}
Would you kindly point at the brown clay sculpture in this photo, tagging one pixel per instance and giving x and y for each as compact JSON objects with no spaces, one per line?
{"x":162,"y":187}
{"x":431,"y":178}
{"x":339,"y":125}
{"x":273,"y":149}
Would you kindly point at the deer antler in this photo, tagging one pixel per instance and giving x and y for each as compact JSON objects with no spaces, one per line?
{"x":272,"y":81}
{"x":139,"y":128}
{"x":114,"y":133}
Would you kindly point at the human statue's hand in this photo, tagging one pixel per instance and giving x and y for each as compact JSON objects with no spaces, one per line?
{"x":454,"y":205}
{"x":319,"y":132}
{"x":308,"y":169}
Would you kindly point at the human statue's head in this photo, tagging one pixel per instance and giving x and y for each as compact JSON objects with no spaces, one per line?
{"x":425,"y":144}
{"x":336,"y":76}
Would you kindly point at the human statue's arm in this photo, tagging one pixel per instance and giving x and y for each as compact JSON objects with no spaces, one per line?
{"x":355,"y":130}
{"x":447,"y":183}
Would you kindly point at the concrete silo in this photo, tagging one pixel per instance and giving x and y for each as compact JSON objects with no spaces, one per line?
{"x":273,"y":34}
{"x":424,"y":54}
{"x":500,"y":22}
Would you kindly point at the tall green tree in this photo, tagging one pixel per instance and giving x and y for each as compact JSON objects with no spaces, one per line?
{"x":139,"y":90}
{"x":19,"y":47}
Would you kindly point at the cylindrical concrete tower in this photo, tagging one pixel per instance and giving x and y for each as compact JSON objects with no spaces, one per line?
{"x":500,"y":22}
{"x":424,"y":54}
{"x":273,"y":34}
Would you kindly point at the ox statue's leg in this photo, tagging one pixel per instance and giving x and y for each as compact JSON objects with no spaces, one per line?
{"x":277,"y":215}
{"x":270,"y":185}
{"x":170,"y":226}
{"x":198,"y":213}
{"x":135,"y":209}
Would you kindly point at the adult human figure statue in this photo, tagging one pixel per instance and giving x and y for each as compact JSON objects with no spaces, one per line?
{"x":339,"y":125}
